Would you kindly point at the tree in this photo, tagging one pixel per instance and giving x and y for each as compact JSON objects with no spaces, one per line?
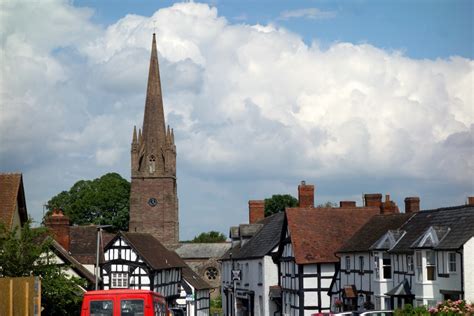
{"x":327,"y":204}
{"x":104,"y":200}
{"x":278,"y":202}
{"x":28,"y":253}
{"x":209,"y":237}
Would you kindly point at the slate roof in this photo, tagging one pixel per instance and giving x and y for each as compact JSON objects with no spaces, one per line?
{"x":195,"y":280}
{"x":458,"y":221}
{"x":83,"y":243}
{"x":74,"y":264}
{"x":373,"y":230}
{"x":263,"y":242}
{"x":317,"y":232}
{"x":202,"y":250}
{"x":11,"y":196}
{"x":152,"y":251}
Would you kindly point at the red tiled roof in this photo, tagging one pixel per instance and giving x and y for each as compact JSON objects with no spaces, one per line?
{"x":11,"y":191}
{"x":317,"y":233}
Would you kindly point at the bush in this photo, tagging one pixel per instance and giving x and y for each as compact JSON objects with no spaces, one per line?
{"x":446,"y":308}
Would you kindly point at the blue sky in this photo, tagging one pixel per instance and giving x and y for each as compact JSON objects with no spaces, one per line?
{"x":420,"y":28}
{"x":352,"y":96}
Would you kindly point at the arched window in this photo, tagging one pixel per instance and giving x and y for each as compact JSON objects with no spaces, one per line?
{"x":151,"y":164}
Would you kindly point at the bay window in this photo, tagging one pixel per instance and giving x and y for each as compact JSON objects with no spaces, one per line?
{"x":430,"y":265}
{"x":419,"y":266}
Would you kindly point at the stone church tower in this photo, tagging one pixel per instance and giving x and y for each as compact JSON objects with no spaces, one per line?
{"x":153,"y":194}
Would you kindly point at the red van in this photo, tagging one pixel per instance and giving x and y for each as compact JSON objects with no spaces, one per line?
{"x":123,"y":303}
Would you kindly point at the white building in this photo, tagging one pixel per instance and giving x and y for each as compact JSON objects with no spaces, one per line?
{"x":420,"y":258}
{"x":253,"y":258}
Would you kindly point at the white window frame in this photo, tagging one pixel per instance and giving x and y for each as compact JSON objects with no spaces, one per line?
{"x":452,"y":262}
{"x":410,"y":264}
{"x":361,"y":263}
{"x":348,"y":263}
{"x":119,"y":280}
{"x":419,"y":266}
{"x":387,"y":257}
{"x":377,"y":265}
{"x":431,"y":265}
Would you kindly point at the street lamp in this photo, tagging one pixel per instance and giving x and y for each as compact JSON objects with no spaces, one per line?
{"x":99,"y":238}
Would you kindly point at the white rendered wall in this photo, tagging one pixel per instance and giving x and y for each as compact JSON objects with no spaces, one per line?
{"x":468,"y":264}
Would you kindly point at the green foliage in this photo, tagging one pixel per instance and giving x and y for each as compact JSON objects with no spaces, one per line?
{"x":278,"y":202}
{"x":408,"y":309}
{"x":104,"y":200}
{"x":328,"y":204}
{"x":446,"y":308}
{"x":216,"y":305}
{"x":27,"y":252}
{"x":209,"y":237}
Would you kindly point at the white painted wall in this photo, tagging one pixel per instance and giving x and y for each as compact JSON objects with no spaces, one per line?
{"x":468,"y":264}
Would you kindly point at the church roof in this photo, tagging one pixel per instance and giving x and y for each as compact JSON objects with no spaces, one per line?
{"x":202,"y":250}
{"x":316,"y":233}
{"x":12,"y":197}
{"x":152,"y":251}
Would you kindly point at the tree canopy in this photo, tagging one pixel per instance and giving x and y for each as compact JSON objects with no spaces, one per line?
{"x":104,"y":200}
{"x":28,"y":253}
{"x":278,"y":202}
{"x":209,"y":237}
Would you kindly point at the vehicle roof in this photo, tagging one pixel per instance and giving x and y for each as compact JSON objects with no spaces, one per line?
{"x":120,"y":291}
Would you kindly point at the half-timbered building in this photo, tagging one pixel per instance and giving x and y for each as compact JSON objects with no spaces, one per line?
{"x":365,"y":264}
{"x":419,"y":258}
{"x":140,"y":261}
{"x":307,"y":263}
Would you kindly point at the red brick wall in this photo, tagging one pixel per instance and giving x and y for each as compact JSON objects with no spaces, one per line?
{"x":256,"y":210}
{"x":306,"y":194}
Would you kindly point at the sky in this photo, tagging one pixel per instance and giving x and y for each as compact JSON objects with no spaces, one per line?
{"x":352,"y":96}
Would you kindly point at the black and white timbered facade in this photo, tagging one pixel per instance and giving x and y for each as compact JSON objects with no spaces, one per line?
{"x":413,"y":258}
{"x":306,"y":257}
{"x":139,"y":261}
{"x":304,"y":286}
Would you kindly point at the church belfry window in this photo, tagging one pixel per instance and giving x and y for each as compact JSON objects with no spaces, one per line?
{"x":211,"y":273}
{"x":151,"y":164}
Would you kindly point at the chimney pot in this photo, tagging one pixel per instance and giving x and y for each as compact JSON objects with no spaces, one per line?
{"x":58,"y":223}
{"x":412,"y":204}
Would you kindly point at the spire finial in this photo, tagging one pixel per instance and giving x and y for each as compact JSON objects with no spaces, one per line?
{"x":134,"y":139}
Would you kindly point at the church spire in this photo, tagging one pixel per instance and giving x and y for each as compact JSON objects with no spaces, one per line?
{"x":154,"y":119}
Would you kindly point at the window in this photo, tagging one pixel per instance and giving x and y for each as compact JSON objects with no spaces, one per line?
{"x":211,"y":273}
{"x":260,"y":273}
{"x":348,"y":263}
{"x":387,"y":266}
{"x":119,"y":280}
{"x":452,"y":262}
{"x":410,"y":264}
{"x":419,"y":266}
{"x":361,"y":263}
{"x":131,"y":308}
{"x":102,"y":308}
{"x":430,"y":265}
{"x":376,"y":265}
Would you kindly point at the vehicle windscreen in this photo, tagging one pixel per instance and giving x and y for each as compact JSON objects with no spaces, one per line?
{"x":101,"y":308}
{"x":132,"y":307}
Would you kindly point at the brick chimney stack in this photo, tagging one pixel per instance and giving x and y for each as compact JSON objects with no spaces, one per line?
{"x":373,"y":199}
{"x":305,"y":194}
{"x":470,"y":200}
{"x":256,"y":211}
{"x":343,"y":204}
{"x":412,"y":204}
{"x":388,"y":206}
{"x":58,"y":223}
